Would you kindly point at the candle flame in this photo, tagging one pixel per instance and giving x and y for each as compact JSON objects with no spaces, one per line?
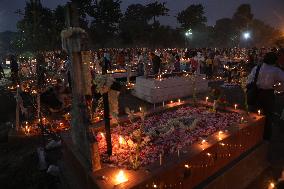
{"x":102,"y":134}
{"x":121,"y":140}
{"x":271,"y":185}
{"x":121,"y":177}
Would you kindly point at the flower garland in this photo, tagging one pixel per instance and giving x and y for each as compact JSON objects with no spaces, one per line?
{"x":162,"y":134}
{"x":71,"y":31}
{"x":103,"y":83}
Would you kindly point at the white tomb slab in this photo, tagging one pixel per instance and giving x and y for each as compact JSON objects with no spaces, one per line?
{"x":156,"y":91}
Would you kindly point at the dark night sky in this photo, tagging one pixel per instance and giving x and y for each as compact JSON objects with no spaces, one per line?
{"x":270,"y":11}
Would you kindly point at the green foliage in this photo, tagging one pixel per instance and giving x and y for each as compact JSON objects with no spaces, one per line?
{"x":40,"y":27}
{"x":242,"y":18}
{"x":36,"y":27}
{"x":106,"y":17}
{"x":156,"y":9}
{"x":192,"y":17}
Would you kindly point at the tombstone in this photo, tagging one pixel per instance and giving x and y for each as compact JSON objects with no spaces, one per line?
{"x":74,"y":41}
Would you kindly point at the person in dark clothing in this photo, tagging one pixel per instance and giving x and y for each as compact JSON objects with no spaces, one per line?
{"x":2,"y":74}
{"x":156,"y":61}
{"x":40,"y":70}
{"x":14,"y":69}
{"x":177,"y":63}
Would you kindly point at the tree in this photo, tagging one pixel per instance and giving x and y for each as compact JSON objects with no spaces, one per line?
{"x":224,"y":33}
{"x":58,"y":25}
{"x":106,"y":15}
{"x":134,"y":26}
{"x":154,"y":10}
{"x":36,"y":27}
{"x":192,"y":17}
{"x":85,"y":9}
{"x":263,"y":34}
{"x":243,"y":17}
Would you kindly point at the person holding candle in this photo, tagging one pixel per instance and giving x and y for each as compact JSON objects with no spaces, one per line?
{"x":266,"y":76}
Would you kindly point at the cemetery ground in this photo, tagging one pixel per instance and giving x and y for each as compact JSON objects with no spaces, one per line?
{"x":18,"y":157}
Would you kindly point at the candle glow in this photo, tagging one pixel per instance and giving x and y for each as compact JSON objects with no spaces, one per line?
{"x":121,"y":177}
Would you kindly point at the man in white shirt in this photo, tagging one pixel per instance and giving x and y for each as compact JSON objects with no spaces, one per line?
{"x":269,"y":75}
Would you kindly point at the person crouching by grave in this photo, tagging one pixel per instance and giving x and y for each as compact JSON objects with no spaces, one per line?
{"x":14,"y":69}
{"x":156,"y":63}
{"x":268,"y":76}
{"x":61,"y":93}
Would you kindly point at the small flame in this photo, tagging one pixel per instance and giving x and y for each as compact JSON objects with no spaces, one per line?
{"x":102,"y":134}
{"x":121,"y":140}
{"x":121,"y":177}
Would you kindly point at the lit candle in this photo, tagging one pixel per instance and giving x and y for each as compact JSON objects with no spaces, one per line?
{"x":140,"y":109}
{"x":178,"y":100}
{"x":208,"y":154}
{"x":186,"y":166}
{"x":121,"y":140}
{"x":171,"y":101}
{"x":102,"y":135}
{"x":161,"y":159}
{"x":222,"y":144}
{"x":271,"y":185}
{"x":178,"y":152}
{"x":120,"y":177}
{"x":206,"y":99}
{"x":155,"y":186}
{"x":236,"y":106}
{"x":220,"y":135}
{"x":258,"y":112}
{"x":242,"y":119}
{"x":163,"y":103}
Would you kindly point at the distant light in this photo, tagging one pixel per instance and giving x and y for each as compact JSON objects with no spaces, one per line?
{"x":246,"y":35}
{"x":188,"y":33}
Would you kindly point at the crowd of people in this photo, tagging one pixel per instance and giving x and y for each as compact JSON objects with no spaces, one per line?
{"x":54,"y":67}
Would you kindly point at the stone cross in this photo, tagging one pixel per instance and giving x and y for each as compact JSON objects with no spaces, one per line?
{"x":74,"y":42}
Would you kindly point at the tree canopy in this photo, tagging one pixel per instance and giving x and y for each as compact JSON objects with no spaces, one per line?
{"x":39,"y":28}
